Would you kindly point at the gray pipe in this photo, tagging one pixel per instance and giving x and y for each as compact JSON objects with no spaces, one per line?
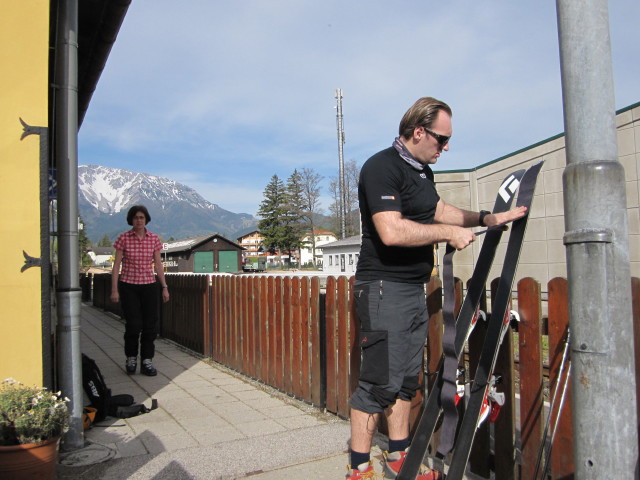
{"x":66,"y":150}
{"x":603,"y":386}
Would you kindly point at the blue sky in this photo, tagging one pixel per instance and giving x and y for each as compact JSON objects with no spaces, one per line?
{"x":222,"y":95}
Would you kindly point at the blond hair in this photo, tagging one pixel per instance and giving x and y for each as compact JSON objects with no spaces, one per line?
{"x":421,"y":114}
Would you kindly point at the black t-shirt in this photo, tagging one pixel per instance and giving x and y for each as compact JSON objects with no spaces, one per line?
{"x":388,"y":183}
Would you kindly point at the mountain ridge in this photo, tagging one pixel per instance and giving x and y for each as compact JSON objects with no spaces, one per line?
{"x":177,"y":211}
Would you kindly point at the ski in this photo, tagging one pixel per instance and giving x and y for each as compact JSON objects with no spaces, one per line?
{"x":497,"y":327}
{"x":431,"y":411}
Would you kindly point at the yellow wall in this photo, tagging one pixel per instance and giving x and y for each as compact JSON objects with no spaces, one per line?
{"x":24,"y":50}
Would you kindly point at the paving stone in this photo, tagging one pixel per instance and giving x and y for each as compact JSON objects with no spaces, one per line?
{"x":260,"y":428}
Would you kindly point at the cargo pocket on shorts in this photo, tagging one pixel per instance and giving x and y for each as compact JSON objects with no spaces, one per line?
{"x":375,"y":357}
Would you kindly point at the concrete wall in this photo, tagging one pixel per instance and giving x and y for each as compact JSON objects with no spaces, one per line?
{"x":543,"y":254}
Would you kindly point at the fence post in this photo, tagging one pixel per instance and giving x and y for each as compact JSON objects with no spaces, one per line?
{"x":296,"y":338}
{"x":263,"y":316}
{"x":307,"y":350}
{"x":354,"y":341}
{"x":330,"y":342}
{"x":531,"y":379}
{"x":318,"y":358}
{"x":344,"y":388}
{"x":562,"y":464}
{"x":287,"y":334}
{"x":210,"y":318}
{"x":279,"y":336}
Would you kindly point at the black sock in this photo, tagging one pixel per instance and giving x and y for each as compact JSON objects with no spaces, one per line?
{"x":358,"y":458}
{"x":398,"y":445}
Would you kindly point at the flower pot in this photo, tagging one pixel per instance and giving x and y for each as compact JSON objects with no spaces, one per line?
{"x":30,"y":460}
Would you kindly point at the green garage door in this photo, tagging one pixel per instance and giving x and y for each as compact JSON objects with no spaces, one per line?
{"x":203,"y":262}
{"x":228,"y":261}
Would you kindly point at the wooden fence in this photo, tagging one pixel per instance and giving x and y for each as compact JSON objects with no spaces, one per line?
{"x":288,"y":333}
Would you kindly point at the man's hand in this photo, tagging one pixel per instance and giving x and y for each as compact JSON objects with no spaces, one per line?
{"x":461,"y":237}
{"x":495,"y":219}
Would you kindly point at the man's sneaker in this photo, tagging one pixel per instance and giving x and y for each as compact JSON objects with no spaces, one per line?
{"x":364,"y":470}
{"x":392,"y":463}
{"x":131,"y":365}
{"x":147,"y":368}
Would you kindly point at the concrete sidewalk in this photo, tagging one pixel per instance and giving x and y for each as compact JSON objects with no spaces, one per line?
{"x":211,"y":422}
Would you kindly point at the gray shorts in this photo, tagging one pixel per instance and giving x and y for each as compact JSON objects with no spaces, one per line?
{"x":394,"y":323}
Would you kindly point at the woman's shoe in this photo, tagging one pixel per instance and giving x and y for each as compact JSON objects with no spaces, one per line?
{"x":147,"y":368}
{"x":131,"y":365}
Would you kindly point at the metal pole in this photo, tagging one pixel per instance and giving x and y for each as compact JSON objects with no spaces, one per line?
{"x":66,"y":150}
{"x":342,"y":206}
{"x":604,"y":385}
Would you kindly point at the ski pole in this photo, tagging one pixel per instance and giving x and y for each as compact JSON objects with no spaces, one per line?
{"x":551,"y":407}
{"x":555,"y":424}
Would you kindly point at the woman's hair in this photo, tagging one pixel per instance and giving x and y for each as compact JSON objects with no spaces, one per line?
{"x":135,"y":209}
{"x":421,"y":114}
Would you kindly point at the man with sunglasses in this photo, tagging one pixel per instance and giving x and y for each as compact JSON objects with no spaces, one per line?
{"x":402,"y":218}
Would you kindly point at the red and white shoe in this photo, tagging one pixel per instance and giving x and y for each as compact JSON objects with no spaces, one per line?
{"x":393,"y":461}
{"x":364,"y":470}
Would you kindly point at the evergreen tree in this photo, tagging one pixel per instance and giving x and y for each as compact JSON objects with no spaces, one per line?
{"x":84,"y":244}
{"x":295,"y":213}
{"x":272,"y":212}
{"x":283,"y":215}
{"x":104,"y":241}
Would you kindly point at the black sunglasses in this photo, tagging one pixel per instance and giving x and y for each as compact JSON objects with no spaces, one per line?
{"x":441,"y":139}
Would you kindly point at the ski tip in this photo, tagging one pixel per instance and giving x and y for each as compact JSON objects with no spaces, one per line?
{"x":528,"y":185}
{"x":535,"y":168}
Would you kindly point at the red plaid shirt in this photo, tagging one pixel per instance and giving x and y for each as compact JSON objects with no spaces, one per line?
{"x":137,"y":256}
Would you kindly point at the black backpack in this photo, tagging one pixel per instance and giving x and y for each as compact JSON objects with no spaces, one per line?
{"x":120,"y":406}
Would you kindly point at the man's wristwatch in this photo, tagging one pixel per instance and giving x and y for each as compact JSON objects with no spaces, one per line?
{"x":483,"y":213}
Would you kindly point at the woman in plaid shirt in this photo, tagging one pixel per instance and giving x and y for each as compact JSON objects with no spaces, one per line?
{"x":135,"y":287}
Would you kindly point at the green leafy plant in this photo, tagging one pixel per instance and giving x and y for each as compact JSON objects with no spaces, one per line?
{"x":30,"y":414}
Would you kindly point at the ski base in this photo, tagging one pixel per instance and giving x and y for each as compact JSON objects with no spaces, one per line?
{"x":433,"y":407}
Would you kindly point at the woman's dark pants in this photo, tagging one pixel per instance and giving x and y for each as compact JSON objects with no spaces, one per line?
{"x":139,"y":304}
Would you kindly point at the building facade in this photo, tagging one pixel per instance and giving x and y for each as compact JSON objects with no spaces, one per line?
{"x":341,"y":257}
{"x":251,"y":243}
{"x":322,"y":237}
{"x":102,"y":256}
{"x":24,"y":47}
{"x":30,"y":125}
{"x":202,"y":254}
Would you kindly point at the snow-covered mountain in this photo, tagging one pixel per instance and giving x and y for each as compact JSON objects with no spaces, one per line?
{"x":178,"y":211}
